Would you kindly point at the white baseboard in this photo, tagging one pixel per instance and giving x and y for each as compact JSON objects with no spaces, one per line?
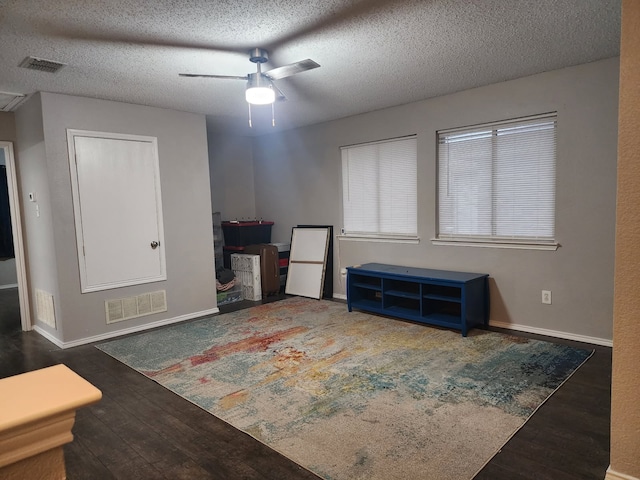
{"x":539,"y":331}
{"x":11,"y":285}
{"x":124,"y":331}
{"x":613,"y":475}
{"x":553,"y":333}
{"x":48,"y":336}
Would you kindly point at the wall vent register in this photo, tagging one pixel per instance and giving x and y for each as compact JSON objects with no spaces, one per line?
{"x":137,"y":306}
{"x":45,"y":312}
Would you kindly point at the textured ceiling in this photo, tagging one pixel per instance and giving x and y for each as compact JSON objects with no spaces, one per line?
{"x":373,"y":54}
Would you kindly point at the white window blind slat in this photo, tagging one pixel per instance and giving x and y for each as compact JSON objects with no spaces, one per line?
{"x":498,"y":182}
{"x":380,"y":189}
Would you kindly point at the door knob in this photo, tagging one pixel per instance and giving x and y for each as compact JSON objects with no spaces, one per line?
{"x":154,"y":244}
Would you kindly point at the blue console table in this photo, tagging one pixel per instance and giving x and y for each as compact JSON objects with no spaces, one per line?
{"x":458,"y":300}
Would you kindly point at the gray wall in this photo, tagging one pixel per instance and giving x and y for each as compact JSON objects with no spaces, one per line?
{"x":184,"y":173}
{"x":298,"y":180}
{"x":231,"y":167}
{"x":7,"y":127}
{"x":8,"y":273}
{"x":40,"y":255}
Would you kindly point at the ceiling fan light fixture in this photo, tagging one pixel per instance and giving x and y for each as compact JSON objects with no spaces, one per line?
{"x":260,"y":95}
{"x":259,"y":90}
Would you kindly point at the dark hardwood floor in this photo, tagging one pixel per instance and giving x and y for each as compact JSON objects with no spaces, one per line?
{"x":140,"y":430}
{"x":568,"y":437}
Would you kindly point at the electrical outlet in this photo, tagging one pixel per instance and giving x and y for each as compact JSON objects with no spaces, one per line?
{"x":546,"y":297}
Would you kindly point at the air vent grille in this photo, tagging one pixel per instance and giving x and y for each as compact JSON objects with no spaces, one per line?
{"x":41,"y":65}
{"x":132,"y":307}
{"x":45,"y":312}
{"x":10,"y":101}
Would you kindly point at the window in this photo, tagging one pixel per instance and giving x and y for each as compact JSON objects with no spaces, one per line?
{"x":379,"y":189}
{"x":496,"y":182}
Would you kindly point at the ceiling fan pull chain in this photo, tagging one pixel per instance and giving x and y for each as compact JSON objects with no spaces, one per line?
{"x":273,"y":115}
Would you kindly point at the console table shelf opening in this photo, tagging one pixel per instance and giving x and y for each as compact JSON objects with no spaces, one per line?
{"x":458,"y":300}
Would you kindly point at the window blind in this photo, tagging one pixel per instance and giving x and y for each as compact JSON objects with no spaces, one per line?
{"x":497,"y":182}
{"x":379,"y":188}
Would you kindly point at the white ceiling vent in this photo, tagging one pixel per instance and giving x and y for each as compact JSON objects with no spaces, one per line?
{"x":41,"y":65}
{"x":10,"y":101}
{"x":138,"y":306}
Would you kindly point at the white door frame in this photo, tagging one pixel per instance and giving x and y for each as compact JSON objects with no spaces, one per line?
{"x":18,"y":243}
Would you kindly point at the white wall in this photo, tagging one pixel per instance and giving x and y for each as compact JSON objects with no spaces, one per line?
{"x":51,"y":248}
{"x":298,"y":180}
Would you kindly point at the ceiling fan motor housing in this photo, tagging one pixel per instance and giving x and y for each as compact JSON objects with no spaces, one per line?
{"x":258,"y":55}
{"x":258,"y":80}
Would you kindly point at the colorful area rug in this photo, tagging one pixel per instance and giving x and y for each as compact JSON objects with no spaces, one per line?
{"x":352,"y":395}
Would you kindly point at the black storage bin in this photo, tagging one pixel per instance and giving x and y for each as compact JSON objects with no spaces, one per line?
{"x":241,"y":234}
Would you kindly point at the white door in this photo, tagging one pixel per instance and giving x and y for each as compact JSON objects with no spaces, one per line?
{"x":118,"y":209}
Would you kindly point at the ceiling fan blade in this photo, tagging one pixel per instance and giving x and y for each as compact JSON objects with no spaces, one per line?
{"x":324,"y":25}
{"x":68,"y":30}
{"x":201,"y":75}
{"x":291,"y":69}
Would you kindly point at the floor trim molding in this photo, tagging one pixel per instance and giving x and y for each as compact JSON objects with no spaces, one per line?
{"x":339,"y":296}
{"x":124,"y":331}
{"x":613,"y":475}
{"x":552,"y":333}
{"x":48,"y":336}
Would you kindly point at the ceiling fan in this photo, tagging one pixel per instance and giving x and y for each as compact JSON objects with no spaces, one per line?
{"x":261,"y":89}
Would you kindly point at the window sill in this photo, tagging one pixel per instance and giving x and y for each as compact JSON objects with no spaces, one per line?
{"x":496,"y":244}
{"x":378,"y":238}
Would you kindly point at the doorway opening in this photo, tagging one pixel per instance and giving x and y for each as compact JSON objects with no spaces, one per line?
{"x":13,"y":273}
